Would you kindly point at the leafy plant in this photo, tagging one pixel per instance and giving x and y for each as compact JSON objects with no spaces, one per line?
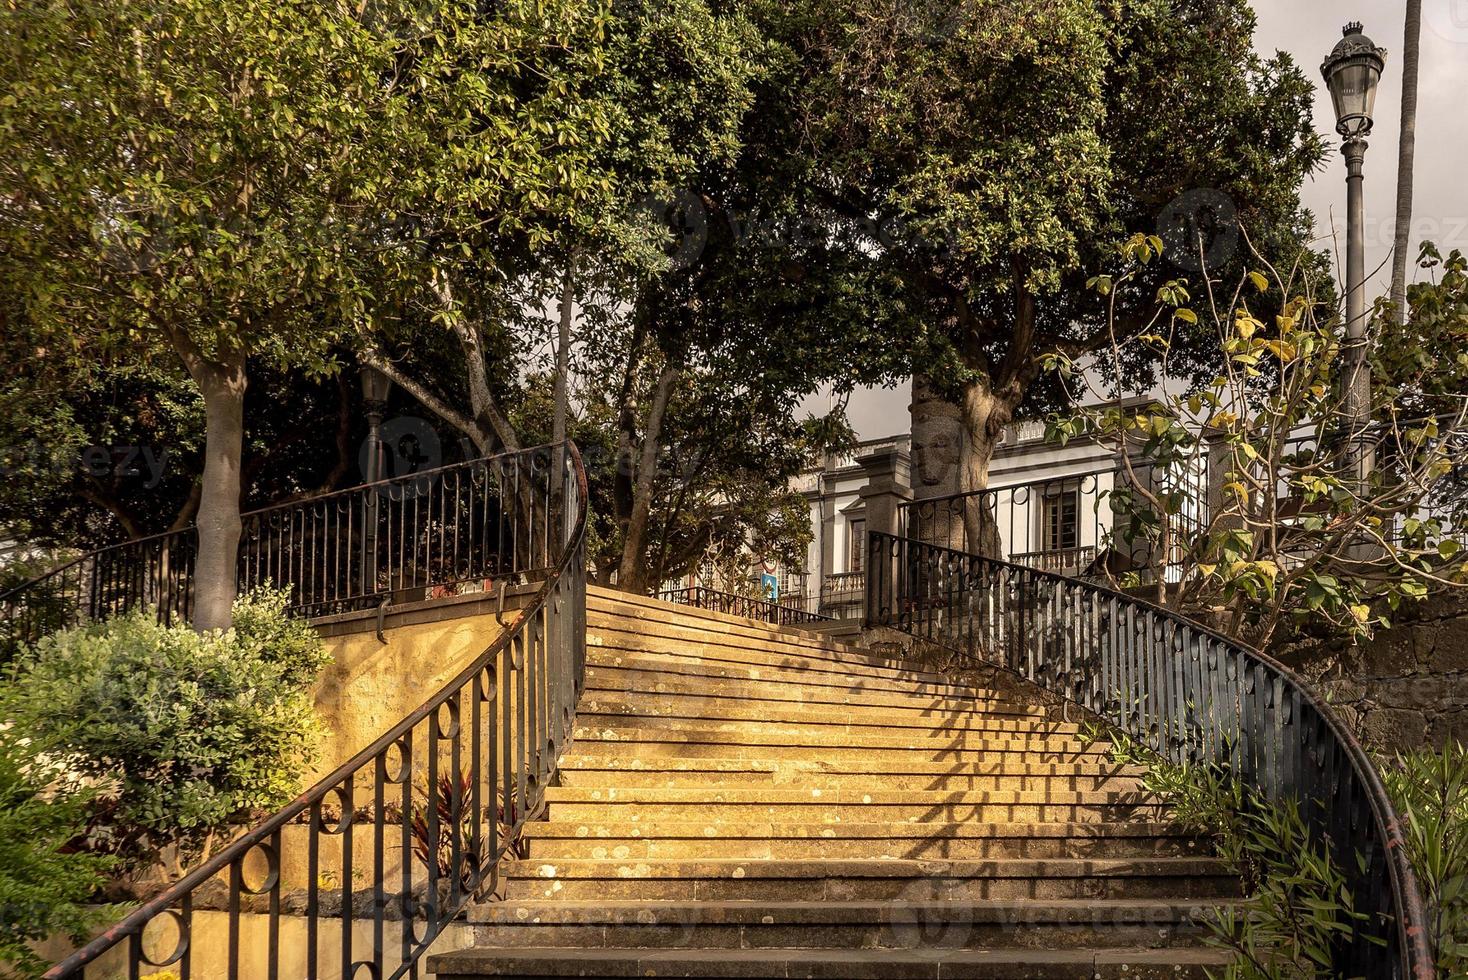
{"x":181,"y":732}
{"x":45,"y":882}
{"x":439,"y":848}
{"x":1297,"y":902}
{"x":1430,"y":790}
{"x":1303,"y":533}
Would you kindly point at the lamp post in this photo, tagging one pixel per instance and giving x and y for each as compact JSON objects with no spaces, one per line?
{"x":1352,"y":72}
{"x":376,"y":386}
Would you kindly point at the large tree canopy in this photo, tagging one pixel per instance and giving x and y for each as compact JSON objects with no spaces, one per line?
{"x":995,"y":151}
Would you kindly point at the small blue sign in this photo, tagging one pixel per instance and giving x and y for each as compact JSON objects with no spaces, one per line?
{"x":771,"y":586}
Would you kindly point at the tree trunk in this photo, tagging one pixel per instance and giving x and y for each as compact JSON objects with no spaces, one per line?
{"x":984,"y":418}
{"x":937,"y":440}
{"x":223,"y":388}
{"x":1406,"y":154}
{"x":633,"y":571}
{"x":563,"y":352}
{"x":952,"y":446}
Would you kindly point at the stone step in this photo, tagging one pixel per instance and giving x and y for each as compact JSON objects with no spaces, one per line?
{"x":805,"y":778}
{"x":661,"y":619}
{"x":789,"y":653}
{"x":815,"y":734}
{"x":652,"y":742}
{"x":612,"y":661}
{"x":1003,"y":879}
{"x":626,"y":680}
{"x":752,"y":712}
{"x":924,"y":925}
{"x":670,"y":839}
{"x":1076,"y":963}
{"x":816,"y":805}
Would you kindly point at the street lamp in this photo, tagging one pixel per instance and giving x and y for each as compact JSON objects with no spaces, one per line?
{"x":376,"y":386}
{"x":1352,"y":72}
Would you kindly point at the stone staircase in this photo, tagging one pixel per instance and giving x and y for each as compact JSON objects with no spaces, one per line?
{"x":749,"y":801}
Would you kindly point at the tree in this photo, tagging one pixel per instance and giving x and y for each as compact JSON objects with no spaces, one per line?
{"x":1406,"y":156}
{"x":185,"y":180}
{"x":1293,"y":541}
{"x":995,"y":149}
{"x":98,"y":456}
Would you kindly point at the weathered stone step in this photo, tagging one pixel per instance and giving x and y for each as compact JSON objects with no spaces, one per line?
{"x":660,"y":619}
{"x":626,"y":680}
{"x":805,"y":678}
{"x":900,"y":924}
{"x":809,"y":743}
{"x":805,"y":778}
{"x":945,"y":807}
{"x":809,"y":673}
{"x":829,"y":964}
{"x":877,"y":764}
{"x":1004,"y":879}
{"x":980,"y":728}
{"x":856,"y":717}
{"x":670,"y":839}
{"x":781,"y":651}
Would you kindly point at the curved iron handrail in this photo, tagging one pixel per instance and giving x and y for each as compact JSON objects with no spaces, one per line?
{"x":521,"y":696}
{"x":1196,"y":695}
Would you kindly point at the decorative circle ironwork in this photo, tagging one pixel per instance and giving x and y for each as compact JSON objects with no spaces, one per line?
{"x":180,"y":947}
{"x":272,"y":869}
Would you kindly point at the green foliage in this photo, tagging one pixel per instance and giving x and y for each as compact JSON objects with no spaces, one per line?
{"x":991,"y":152}
{"x":1296,"y":540}
{"x":45,"y":883}
{"x":181,"y":732}
{"x":1297,"y":904}
{"x":1430,"y":790}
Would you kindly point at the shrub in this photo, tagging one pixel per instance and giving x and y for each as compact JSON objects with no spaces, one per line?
{"x":181,"y":732}
{"x":1430,"y":790}
{"x":44,"y":881}
{"x":1297,"y":903}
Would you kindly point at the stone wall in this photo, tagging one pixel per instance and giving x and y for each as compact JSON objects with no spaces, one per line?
{"x":1405,"y":688}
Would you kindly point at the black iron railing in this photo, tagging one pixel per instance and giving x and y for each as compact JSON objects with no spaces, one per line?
{"x":1061,"y":524}
{"x":766,"y":610}
{"x":364,"y":871}
{"x":465,"y":527}
{"x":1189,"y":693}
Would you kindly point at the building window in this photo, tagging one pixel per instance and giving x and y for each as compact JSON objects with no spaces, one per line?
{"x":856,"y":557}
{"x":1060,"y":524}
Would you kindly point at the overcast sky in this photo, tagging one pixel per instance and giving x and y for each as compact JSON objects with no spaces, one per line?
{"x":1308,"y":29}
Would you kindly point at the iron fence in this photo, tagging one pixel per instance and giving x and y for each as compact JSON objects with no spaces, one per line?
{"x":1189,"y":693}
{"x":362,"y":873}
{"x":733,"y":604}
{"x":464,"y":527}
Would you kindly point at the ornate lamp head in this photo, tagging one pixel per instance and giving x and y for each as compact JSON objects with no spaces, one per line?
{"x":1352,"y":72}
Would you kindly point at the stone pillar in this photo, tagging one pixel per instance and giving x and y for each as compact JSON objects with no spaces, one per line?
{"x":889,"y":485}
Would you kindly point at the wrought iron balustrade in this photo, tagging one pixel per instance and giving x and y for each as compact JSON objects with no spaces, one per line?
{"x":767,"y":610}
{"x":361,"y":874}
{"x":1189,"y":693}
{"x":468,"y":526}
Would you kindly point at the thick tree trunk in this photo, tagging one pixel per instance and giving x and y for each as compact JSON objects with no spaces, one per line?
{"x":1406,"y":156}
{"x":984,"y":418}
{"x":633,"y":572}
{"x":223,"y":388}
{"x":952,"y":446}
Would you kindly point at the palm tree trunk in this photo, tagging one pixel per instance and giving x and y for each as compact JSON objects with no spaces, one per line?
{"x":1406,"y":153}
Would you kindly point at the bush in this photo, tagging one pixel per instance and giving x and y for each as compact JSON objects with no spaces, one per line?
{"x":1296,"y":901}
{"x":180,"y":732}
{"x":1430,"y":790}
{"x":44,"y":881}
